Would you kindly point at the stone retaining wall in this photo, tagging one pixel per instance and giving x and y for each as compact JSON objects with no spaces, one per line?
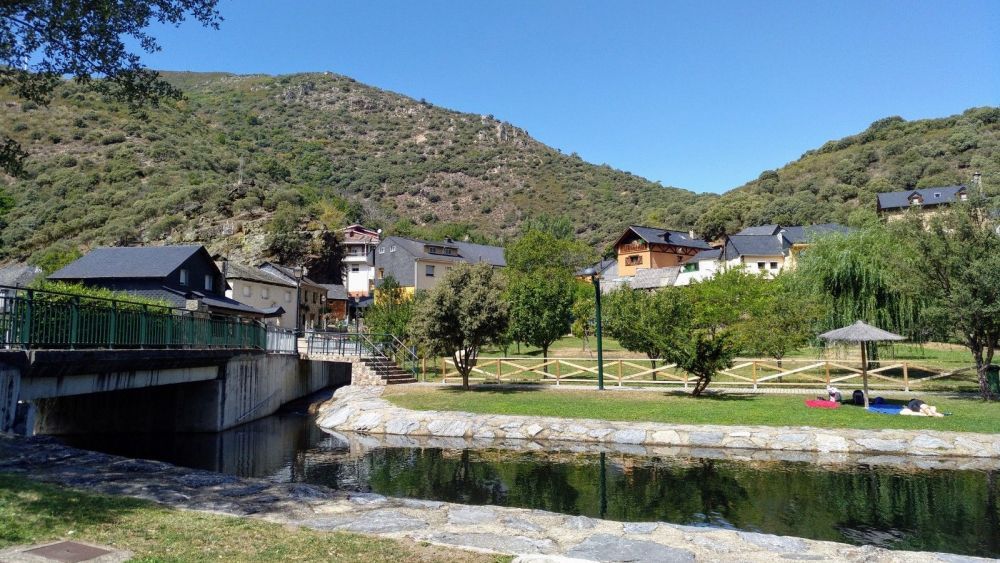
{"x":362,"y":409}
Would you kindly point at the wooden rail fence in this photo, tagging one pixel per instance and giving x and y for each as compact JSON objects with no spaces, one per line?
{"x":754,"y":374}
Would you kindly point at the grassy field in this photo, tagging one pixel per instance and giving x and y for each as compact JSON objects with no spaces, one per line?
{"x":967,"y":415}
{"x":33,"y":512}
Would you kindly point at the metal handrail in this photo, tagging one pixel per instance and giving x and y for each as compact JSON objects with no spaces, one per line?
{"x":364,"y":344}
{"x":42,"y":319}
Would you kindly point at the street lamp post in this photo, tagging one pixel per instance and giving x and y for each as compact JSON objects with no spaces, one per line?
{"x":596,"y":279}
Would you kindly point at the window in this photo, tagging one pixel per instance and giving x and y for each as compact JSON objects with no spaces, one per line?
{"x":288,"y":296}
{"x":760,"y":265}
{"x":381,"y":250}
{"x":184,"y":276}
{"x":429,"y":271}
{"x":937,"y":194}
{"x":355,"y":268}
{"x":392,"y":248}
{"x":264,"y":293}
{"x":963,"y":196}
{"x":246,"y":291}
{"x":774,"y":265}
{"x":209,"y":282}
{"x":381,"y":273}
{"x":633,"y":260}
{"x":692,"y":267}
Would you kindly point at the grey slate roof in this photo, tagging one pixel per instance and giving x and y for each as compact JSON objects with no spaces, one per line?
{"x":179,"y":299}
{"x":287,"y":274}
{"x":931,"y":197}
{"x":761,"y":230}
{"x":752,"y":245}
{"x":712,"y":254}
{"x":467,"y":251}
{"x":236,"y":271}
{"x":654,"y":278}
{"x":606,"y":268}
{"x":129,"y":262}
{"x":653,"y":235}
{"x":335,"y":292}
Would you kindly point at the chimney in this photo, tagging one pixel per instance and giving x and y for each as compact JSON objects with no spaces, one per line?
{"x":977,"y":181}
{"x":691,"y":234}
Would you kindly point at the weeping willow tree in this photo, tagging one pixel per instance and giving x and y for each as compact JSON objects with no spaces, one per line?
{"x":858,"y":276}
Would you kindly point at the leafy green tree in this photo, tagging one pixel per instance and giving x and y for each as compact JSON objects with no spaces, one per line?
{"x":783,"y":318}
{"x":584,"y":310}
{"x":327,"y":265}
{"x":463,"y":313}
{"x":856,"y":277}
{"x":955,"y":260}
{"x":541,"y":307}
{"x":42,"y":41}
{"x":391,"y":311}
{"x":629,"y":318}
{"x":538,"y":251}
{"x":55,"y":257}
{"x":285,"y":241}
{"x":707,"y":318}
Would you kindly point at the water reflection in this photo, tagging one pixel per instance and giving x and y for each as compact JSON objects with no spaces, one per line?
{"x":935,"y":510}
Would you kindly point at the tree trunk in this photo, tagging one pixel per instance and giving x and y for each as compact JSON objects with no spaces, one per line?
{"x":462,"y":365}
{"x":545,"y":358}
{"x":652,"y":365}
{"x":981,"y":369}
{"x":700,"y":385}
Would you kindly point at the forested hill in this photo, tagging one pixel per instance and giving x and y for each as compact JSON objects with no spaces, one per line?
{"x":841,"y":178}
{"x":254,"y":166}
{"x":318,"y":150}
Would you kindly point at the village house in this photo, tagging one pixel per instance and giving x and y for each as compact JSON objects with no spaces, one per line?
{"x":185,"y":276}
{"x":336,"y":302}
{"x":262,"y":290}
{"x":895,"y":205}
{"x":311,"y":296}
{"x":699,"y":267}
{"x":640,"y":248}
{"x":769,"y":249}
{"x":419,"y":264}
{"x":359,"y":245}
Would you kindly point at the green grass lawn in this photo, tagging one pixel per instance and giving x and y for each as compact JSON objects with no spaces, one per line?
{"x":968,"y":415}
{"x":32,"y":512}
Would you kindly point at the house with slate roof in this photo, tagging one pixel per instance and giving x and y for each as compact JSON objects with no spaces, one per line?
{"x":336,"y":301}
{"x":419,"y":264}
{"x":310,"y":309}
{"x":263,"y":290}
{"x":640,"y":248}
{"x":699,"y":267}
{"x":768,"y":249}
{"x":185,"y":276}
{"x":894,"y":205}
{"x":359,"y":244}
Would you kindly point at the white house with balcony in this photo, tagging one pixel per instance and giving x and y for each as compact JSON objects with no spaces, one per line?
{"x":359,"y":247}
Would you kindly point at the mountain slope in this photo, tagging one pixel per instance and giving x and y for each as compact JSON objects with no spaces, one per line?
{"x":317,"y":150}
{"x":256,"y":166}
{"x":842,"y":177}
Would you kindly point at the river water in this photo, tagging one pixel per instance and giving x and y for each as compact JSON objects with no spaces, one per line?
{"x":953,"y":511}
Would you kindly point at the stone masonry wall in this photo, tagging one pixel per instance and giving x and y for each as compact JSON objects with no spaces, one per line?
{"x":362,"y":409}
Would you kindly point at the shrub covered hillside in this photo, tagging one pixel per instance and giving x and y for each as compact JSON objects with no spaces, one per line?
{"x":316,"y":149}
{"x":255,"y":166}
{"x":842,"y":177}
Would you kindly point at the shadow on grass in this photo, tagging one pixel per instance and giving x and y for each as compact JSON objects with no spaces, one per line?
{"x":35,"y":512}
{"x":495,"y":389}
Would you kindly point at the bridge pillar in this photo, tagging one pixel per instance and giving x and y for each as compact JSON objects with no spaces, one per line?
{"x":10,"y":390}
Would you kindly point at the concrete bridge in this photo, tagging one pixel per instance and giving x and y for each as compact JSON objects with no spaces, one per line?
{"x":71,"y":364}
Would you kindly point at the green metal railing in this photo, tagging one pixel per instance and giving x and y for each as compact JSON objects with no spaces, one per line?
{"x":365,"y":345}
{"x":36,"y":319}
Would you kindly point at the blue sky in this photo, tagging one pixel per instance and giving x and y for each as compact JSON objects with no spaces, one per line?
{"x":699,"y":95}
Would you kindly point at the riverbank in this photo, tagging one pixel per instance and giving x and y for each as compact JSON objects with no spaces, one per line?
{"x":484,"y":528}
{"x":365,"y":409}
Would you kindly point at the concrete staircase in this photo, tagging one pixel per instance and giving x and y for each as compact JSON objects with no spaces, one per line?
{"x":388,"y":371}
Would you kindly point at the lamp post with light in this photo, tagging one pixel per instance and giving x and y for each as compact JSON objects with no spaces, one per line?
{"x":596,"y":279}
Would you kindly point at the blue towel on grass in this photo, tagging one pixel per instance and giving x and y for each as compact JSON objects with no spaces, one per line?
{"x":885,"y":409}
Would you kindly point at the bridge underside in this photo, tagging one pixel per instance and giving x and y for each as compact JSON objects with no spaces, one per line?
{"x":71,"y":391}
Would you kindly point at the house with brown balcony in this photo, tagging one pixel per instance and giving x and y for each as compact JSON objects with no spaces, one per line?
{"x":641,"y":248}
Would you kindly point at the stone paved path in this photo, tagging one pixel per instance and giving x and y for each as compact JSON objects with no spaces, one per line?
{"x":494,"y":529}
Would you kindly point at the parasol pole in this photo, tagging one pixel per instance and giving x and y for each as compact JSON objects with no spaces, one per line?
{"x":864,"y":372}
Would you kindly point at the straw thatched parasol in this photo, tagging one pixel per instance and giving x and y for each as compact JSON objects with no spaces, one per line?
{"x":861,"y":333}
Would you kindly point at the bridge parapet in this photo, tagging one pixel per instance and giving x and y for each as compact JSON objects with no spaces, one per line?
{"x":33,"y":319}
